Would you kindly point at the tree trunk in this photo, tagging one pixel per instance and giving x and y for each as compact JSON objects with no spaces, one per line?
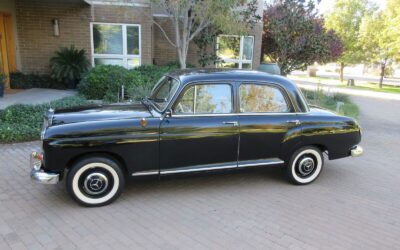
{"x":383,"y":66}
{"x":182,"y":57}
{"x":341,"y":71}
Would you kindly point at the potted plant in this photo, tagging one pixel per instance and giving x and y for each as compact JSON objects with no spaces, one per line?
{"x":2,"y":79}
{"x":68,"y":65}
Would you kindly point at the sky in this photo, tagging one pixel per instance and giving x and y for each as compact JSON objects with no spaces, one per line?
{"x":326,"y":5}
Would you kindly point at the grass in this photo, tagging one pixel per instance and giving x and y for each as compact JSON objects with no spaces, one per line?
{"x":329,"y":101}
{"x":362,"y":85}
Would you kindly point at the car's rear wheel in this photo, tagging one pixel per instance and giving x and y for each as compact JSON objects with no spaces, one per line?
{"x":95,"y":181}
{"x":305,"y":165}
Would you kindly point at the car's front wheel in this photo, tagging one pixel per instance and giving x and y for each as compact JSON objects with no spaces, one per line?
{"x":95,"y":181}
{"x":305,"y":165}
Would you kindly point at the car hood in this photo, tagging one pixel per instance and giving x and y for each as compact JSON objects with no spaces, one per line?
{"x":99,"y":113}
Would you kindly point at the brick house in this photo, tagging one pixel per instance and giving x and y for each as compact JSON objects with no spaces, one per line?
{"x":111,"y":31}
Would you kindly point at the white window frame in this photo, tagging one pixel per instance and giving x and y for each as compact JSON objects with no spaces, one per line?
{"x":124,"y":56}
{"x":239,"y":61}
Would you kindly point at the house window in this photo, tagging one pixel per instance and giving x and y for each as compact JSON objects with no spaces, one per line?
{"x":116,"y":44}
{"x":235,"y":51}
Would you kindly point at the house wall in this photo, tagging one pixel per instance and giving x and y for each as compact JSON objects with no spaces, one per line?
{"x":257,"y":33}
{"x":37,"y":42}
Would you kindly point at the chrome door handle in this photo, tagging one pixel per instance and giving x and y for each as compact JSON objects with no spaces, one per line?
{"x":296,"y":122}
{"x":233,"y":123}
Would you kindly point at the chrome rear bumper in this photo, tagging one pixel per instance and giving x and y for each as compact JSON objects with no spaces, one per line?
{"x":38,"y":174}
{"x":357,"y":151}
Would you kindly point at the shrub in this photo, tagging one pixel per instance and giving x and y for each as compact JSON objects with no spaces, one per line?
{"x":339,"y":97}
{"x":20,"y":80}
{"x":68,"y":64}
{"x":104,"y":81}
{"x":23,"y":122}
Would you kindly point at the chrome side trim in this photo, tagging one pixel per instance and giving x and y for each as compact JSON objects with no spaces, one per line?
{"x":146,"y":173}
{"x":274,"y":161}
{"x":236,"y":114}
{"x":200,"y":168}
{"x":211,"y":167}
{"x":357,"y":151}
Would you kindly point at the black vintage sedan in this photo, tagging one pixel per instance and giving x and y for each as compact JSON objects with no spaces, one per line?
{"x":193,"y":121}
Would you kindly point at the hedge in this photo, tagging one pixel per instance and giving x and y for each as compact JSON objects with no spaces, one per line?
{"x":23,"y":122}
{"x":104,"y":82}
{"x":20,"y":80}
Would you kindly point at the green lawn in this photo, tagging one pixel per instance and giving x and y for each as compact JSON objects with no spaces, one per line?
{"x":362,"y":85}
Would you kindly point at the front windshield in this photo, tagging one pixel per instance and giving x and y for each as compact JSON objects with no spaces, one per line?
{"x":163,"y":92}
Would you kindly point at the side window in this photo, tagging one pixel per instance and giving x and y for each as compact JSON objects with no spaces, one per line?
{"x":257,"y":98}
{"x":205,"y":99}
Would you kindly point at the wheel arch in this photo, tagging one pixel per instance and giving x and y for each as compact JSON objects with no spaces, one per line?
{"x":113,"y":156}
{"x":290,"y":152}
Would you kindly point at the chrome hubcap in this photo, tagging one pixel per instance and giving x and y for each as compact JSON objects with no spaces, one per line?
{"x":95,"y":183}
{"x":306,"y":166}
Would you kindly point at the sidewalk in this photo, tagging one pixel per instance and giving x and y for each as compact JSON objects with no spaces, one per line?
{"x":34,"y":96}
{"x":357,"y":92}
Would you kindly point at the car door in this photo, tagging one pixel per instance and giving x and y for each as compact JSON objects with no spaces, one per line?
{"x":202,"y":132}
{"x":266,"y":117}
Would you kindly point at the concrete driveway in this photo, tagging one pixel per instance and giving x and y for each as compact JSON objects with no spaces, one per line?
{"x":355,"y":204}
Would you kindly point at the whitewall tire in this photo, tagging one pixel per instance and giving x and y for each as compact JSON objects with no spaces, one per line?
{"x":305,"y":165}
{"x":95,"y":181}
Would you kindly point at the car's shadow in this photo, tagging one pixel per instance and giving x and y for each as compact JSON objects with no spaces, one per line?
{"x":184,"y":183}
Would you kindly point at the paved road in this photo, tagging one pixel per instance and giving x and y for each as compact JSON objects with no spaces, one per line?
{"x":353,"y":205}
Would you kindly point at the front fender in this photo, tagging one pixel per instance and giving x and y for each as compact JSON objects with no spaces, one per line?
{"x":135,"y":144}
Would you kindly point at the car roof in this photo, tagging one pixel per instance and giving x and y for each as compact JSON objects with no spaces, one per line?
{"x":193,"y":75}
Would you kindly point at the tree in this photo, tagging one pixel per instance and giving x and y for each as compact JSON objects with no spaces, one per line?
{"x":345,"y":19}
{"x":207,"y":38}
{"x":294,"y":35}
{"x":392,"y":17}
{"x":379,"y":38}
{"x":190,"y":17}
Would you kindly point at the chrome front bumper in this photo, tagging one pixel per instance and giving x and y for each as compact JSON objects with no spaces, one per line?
{"x":357,"y":151}
{"x":38,"y":174}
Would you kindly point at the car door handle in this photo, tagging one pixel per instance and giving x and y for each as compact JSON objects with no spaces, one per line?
{"x":296,"y":122}
{"x":233,"y":123}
